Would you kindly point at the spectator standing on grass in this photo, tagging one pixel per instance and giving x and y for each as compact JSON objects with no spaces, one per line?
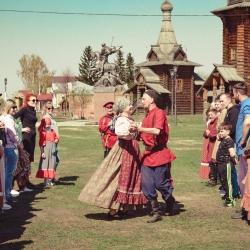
{"x":48,"y":112}
{"x":242,"y":134}
{"x":13,"y":145}
{"x":226,"y":160}
{"x":28,"y":118}
{"x":157,"y":157}
{"x":47,"y":142}
{"x":106,"y":128}
{"x":221,"y":116}
{"x":204,"y":172}
{"x":231,"y":117}
{"x":210,"y":134}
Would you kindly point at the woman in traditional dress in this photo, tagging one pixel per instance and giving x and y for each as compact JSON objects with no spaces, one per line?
{"x":47,"y":111}
{"x":116,"y":184}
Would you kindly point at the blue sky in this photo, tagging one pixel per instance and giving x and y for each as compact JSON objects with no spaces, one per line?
{"x":60,"y":39}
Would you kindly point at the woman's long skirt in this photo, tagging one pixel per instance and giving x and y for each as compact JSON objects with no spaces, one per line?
{"x":46,"y":167}
{"x":204,"y":167}
{"x":116,"y":183}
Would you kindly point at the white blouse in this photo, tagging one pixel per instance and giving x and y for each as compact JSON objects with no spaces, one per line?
{"x":122,"y":126}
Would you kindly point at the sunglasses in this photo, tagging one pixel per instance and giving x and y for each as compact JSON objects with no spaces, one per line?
{"x":14,"y":107}
{"x":34,"y":100}
{"x":50,"y":108}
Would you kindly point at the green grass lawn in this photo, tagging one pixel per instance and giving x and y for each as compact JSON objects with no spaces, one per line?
{"x":53,"y":218}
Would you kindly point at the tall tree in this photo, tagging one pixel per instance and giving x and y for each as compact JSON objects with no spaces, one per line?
{"x":87,"y":62}
{"x":130,"y":70}
{"x":34,"y":73}
{"x":121,"y":63}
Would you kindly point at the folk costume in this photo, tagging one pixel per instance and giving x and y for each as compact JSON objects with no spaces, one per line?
{"x":209,"y":142}
{"x":47,"y":139}
{"x":116,"y":184}
{"x":156,"y":161}
{"x":108,"y":135}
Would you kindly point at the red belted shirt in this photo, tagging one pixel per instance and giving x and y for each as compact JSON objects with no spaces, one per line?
{"x":159,"y":154}
{"x":109,"y":137}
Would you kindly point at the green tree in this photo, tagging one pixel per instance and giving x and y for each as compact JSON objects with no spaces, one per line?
{"x":130,"y":70}
{"x":121,"y":63}
{"x":87,"y":62}
{"x":34,"y":73}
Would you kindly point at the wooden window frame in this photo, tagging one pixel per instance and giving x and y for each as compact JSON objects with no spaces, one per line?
{"x":234,"y":54}
{"x":179,"y":85}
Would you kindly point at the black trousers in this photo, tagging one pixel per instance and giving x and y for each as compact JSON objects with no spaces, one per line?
{"x":226,"y":169}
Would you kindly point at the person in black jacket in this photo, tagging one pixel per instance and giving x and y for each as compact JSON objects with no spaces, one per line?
{"x":28,"y":118}
{"x":232,"y":118}
{"x":232,"y":112}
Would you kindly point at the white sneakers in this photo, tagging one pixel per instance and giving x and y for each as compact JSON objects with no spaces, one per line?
{"x":14,"y":192}
{"x":6,"y":207}
{"x":25,"y":190}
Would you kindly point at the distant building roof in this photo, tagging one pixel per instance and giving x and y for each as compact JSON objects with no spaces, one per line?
{"x":158,"y":88}
{"x":229,"y":73}
{"x":167,"y":62}
{"x":63,"y":79}
{"x":149,"y":75}
{"x":233,"y":6}
{"x":198,"y":80}
{"x":44,"y":97}
{"x":23,"y":92}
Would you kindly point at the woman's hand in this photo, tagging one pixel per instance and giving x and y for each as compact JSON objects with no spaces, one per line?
{"x":26,"y":130}
{"x":20,"y":147}
{"x":2,"y":125}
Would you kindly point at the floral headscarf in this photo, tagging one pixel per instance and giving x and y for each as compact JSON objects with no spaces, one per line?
{"x":120,"y":105}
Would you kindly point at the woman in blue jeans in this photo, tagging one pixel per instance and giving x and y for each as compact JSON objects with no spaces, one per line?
{"x":13,"y":144}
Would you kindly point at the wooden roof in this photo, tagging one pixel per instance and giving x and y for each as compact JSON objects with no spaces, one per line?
{"x":227,"y":72}
{"x":244,"y":4}
{"x":149,"y":75}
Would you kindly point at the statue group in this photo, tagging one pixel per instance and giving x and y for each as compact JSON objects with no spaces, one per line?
{"x":108,"y":72}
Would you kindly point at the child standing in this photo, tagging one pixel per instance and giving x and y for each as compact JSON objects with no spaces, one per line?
{"x":47,"y":142}
{"x":226,"y":161}
{"x":210,"y":134}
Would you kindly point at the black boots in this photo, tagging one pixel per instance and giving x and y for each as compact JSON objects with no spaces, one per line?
{"x":156,"y":212}
{"x":169,"y":205}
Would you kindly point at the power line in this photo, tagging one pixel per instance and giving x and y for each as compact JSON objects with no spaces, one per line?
{"x":112,"y":14}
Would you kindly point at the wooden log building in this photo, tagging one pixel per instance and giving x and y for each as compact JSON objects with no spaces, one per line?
{"x":155,"y":73}
{"x":235,"y":18}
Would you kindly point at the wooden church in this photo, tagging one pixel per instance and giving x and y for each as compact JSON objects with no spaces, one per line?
{"x":235,"y":68}
{"x":155,"y":73}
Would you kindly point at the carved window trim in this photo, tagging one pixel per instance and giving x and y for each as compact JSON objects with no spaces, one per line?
{"x":179,"y":85}
{"x":233,"y":54}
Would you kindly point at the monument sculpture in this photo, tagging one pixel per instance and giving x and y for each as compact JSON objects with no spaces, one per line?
{"x":108,"y":72}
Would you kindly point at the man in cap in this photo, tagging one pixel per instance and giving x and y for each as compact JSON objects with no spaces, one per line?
{"x":108,"y":135}
{"x":157,"y":157}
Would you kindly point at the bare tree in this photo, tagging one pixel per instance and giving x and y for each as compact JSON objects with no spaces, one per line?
{"x":67,"y":77}
{"x":34,"y":73}
{"x":82,"y":98}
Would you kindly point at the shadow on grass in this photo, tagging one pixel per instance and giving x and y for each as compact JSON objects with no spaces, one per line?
{"x":16,"y":246}
{"x":14,"y":221}
{"x":65,"y":181}
{"x":178,"y":208}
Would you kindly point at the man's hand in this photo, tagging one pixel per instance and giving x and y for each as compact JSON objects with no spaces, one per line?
{"x":242,"y":142}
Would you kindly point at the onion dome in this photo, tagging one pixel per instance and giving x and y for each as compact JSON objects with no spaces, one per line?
{"x":166,"y":6}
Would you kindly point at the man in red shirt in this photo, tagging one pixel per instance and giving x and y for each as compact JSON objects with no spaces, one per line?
{"x":108,"y":135}
{"x":157,"y":157}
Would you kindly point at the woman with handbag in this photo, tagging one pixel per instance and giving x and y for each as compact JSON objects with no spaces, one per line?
{"x":13,"y":145}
